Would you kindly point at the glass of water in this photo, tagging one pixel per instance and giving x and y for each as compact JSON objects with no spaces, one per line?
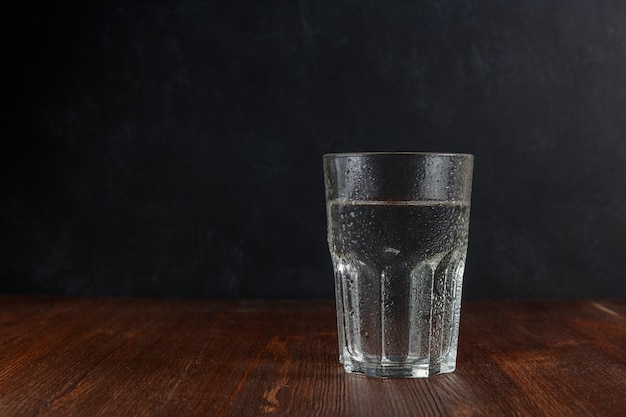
{"x":397,"y":232}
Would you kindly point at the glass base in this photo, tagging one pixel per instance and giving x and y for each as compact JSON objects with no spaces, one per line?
{"x":382,"y":369}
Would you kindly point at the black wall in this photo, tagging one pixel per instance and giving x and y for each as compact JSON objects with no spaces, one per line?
{"x":174,"y":148}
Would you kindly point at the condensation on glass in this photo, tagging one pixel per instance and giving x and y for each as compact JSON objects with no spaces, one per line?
{"x":397,"y":232}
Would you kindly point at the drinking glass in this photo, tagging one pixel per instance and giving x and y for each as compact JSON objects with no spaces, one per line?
{"x":397,"y":233}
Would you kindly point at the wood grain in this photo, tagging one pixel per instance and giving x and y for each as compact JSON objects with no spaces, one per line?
{"x":121,"y":357}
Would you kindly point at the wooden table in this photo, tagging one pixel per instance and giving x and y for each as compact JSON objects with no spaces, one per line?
{"x":140,"y":357}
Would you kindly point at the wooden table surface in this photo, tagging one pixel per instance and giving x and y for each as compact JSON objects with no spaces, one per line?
{"x":141,"y":357}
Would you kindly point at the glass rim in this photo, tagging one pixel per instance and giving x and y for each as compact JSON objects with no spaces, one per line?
{"x":384,"y":153}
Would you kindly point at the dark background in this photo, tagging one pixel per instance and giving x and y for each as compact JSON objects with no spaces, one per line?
{"x":174,"y":148}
